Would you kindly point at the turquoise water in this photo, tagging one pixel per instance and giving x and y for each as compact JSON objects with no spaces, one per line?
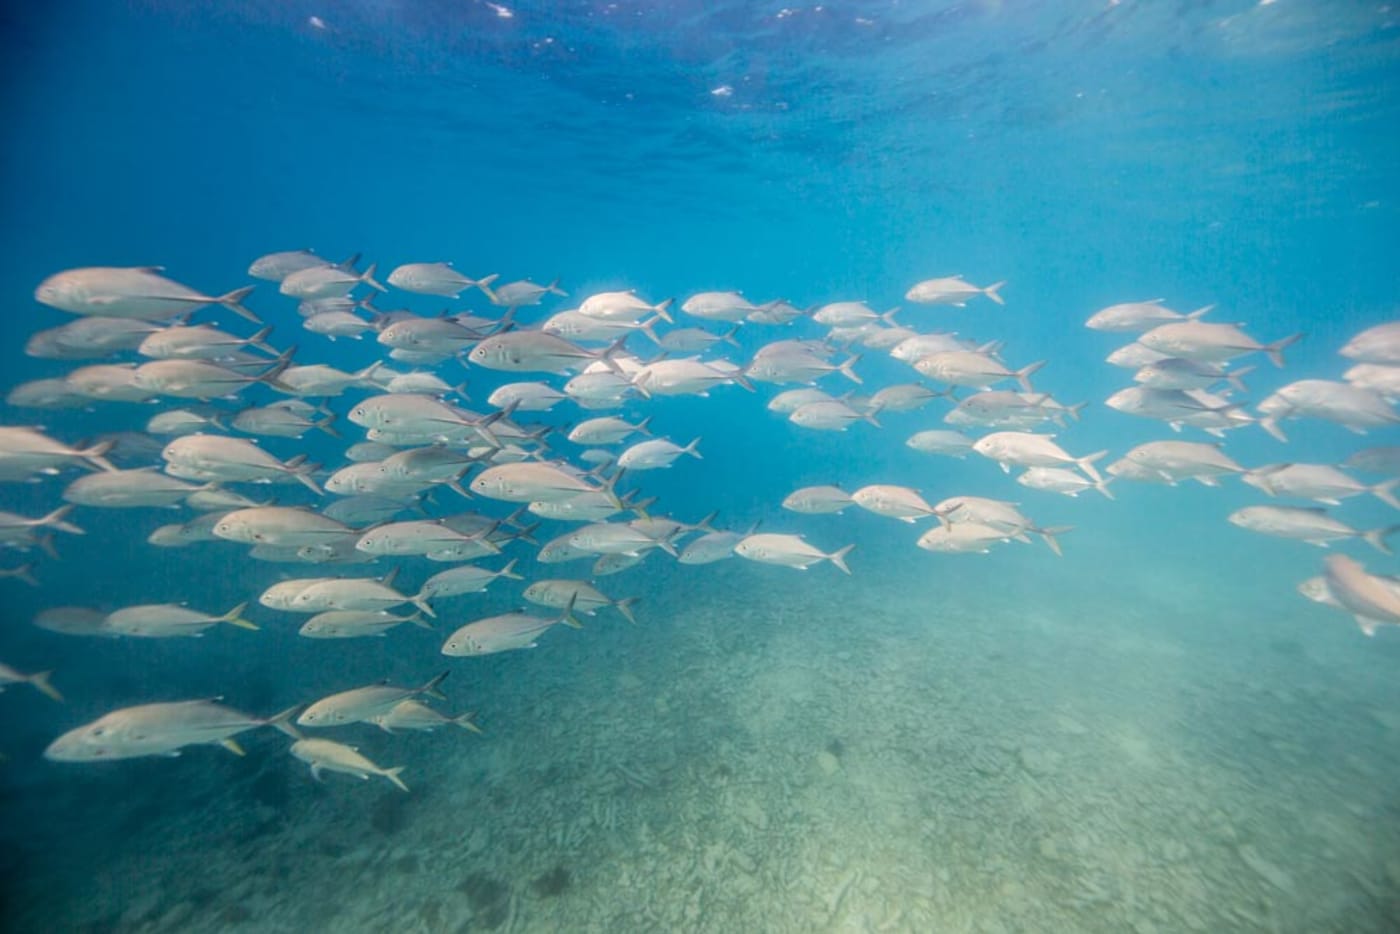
{"x":1154,"y":732}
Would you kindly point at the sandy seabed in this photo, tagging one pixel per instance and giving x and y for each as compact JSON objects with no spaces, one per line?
{"x":767,"y":752}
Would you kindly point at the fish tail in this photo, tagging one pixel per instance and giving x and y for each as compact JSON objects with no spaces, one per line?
{"x":1234,"y":378}
{"x":1376,"y":538}
{"x":96,"y":455}
{"x":23,"y":572}
{"x":40,"y":682}
{"x":1075,"y":411}
{"x":467,"y":721}
{"x":1086,"y":464}
{"x":54,"y":520}
{"x":1050,"y":536}
{"x":259,"y":340}
{"x":663,"y":310}
{"x":1199,"y":312}
{"x":648,"y":328}
{"x":283,"y":721}
{"x":1023,"y":375}
{"x":728,"y":336}
{"x":234,"y":617}
{"x":233,"y":301}
{"x":418,"y":620}
{"x":1275,"y":350}
{"x":553,"y":289}
{"x":484,"y":284}
{"x":229,"y":743}
{"x":327,"y":425}
{"x":431,"y":688}
{"x":394,"y":773}
{"x":692,"y":449}
{"x":421,"y":602}
{"x":567,"y":617}
{"x":993,"y":292}
{"x":1102,"y":487}
{"x":704,"y":525}
{"x":845,"y":370}
{"x":508,"y":572}
{"x":1270,"y":424}
{"x":302,"y":470}
{"x":838,"y":558}
{"x":624,"y":606}
{"x":367,"y":277}
{"x":1382,"y":492}
{"x":45,"y":543}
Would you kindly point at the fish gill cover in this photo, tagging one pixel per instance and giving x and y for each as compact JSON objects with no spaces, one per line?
{"x":483,"y":401}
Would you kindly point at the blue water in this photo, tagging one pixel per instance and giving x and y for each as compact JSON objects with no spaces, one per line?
{"x":1154,"y":732}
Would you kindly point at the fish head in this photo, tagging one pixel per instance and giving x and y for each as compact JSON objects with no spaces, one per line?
{"x":1316,"y":590}
{"x":89,"y":743}
{"x":59,"y":290}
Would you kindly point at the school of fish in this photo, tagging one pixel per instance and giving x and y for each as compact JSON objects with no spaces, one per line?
{"x":216,"y":397}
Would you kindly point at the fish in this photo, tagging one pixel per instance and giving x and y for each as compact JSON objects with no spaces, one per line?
{"x":166,"y":620}
{"x":655,"y":453}
{"x":1212,"y":343}
{"x":624,"y":306}
{"x":200,"y":342}
{"x":125,"y":489}
{"x":131,"y":292}
{"x":1178,"y":373}
{"x":27,"y":450}
{"x":580,"y":595}
{"x":523,"y":292}
{"x":897,"y":502}
{"x":832,"y":415}
{"x":531,"y":482}
{"x":1309,"y":524}
{"x":324,"y":755}
{"x":39,"y":681}
{"x":711,"y":547}
{"x":1026,"y":449}
{"x":1384,"y":459}
{"x":364,"y":703}
{"x":328,"y":281}
{"x":695,"y":340}
{"x":161,"y":729}
{"x":601,"y":538}
{"x":1062,"y":480}
{"x":463,"y":580}
{"x":939,"y":441}
{"x":216,"y":457}
{"x":904,"y":397}
{"x":1175,"y":461}
{"x":951,"y":290}
{"x":1370,"y":599}
{"x":274,"y":267}
{"x":1379,"y":344}
{"x":20,"y":532}
{"x":789,"y":550}
{"x":1136,"y":317}
{"x":608,"y":429}
{"x":965,"y":538}
{"x":437,"y":279}
{"x":720,"y":306}
{"x":847,"y":314}
{"x":818,"y":500}
{"x":973,"y":368}
{"x":412,"y":715}
{"x":352,"y":624}
{"x":1320,"y":482}
{"x":1353,"y":407}
{"x":686,"y":377}
{"x":279,"y":525}
{"x":537,"y":352}
{"x":356,"y":593}
{"x":504,"y":633}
